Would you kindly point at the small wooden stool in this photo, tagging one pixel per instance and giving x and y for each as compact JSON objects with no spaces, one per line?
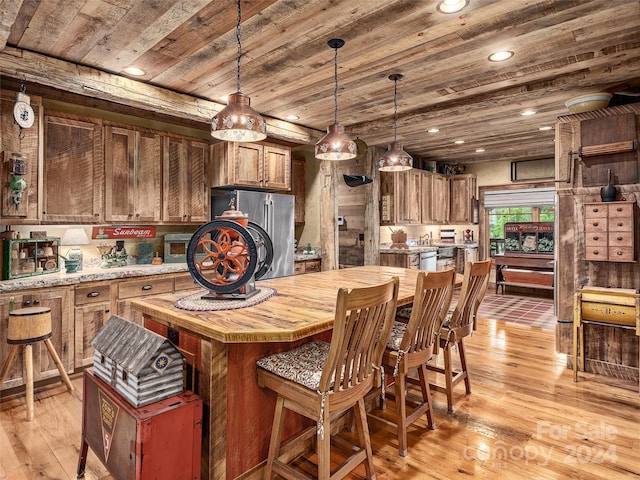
{"x":26,"y":327}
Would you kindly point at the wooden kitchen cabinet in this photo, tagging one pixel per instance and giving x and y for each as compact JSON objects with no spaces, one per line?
{"x":300,"y":267}
{"x":440,"y":199}
{"x":129,"y":290}
{"x":254,"y":165}
{"x":402,"y":260}
{"x":463,"y":192}
{"x":401,"y":197}
{"x":72,"y":158}
{"x":298,"y":188}
{"x":186,"y":192}
{"x":59,"y":300}
{"x":133,"y":163}
{"x":610,"y":231}
{"x":26,"y":142}
{"x":93,"y":307}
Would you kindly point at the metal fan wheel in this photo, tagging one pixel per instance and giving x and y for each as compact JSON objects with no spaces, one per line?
{"x":222,"y":256}
{"x":264,"y":246}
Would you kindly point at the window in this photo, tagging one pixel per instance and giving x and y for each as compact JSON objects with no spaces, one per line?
{"x":499,"y":216}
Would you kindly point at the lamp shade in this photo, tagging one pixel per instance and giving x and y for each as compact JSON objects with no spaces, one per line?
{"x":336,"y":145}
{"x":238,"y":122}
{"x":74,"y":237}
{"x":395,"y":159}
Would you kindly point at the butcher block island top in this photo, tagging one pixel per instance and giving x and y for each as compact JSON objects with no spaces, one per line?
{"x":303,"y":305}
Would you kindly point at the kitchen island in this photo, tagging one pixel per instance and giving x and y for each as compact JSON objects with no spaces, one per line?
{"x":238,"y":413}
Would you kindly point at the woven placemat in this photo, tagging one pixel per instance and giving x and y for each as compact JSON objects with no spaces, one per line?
{"x":195,"y":302}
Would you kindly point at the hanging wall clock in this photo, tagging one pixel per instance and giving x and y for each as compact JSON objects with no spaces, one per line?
{"x":23,"y":111}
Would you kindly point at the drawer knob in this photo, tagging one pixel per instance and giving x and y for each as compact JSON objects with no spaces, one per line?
{"x":36,"y":302}
{"x":619,"y":239}
{"x":93,"y":294}
{"x":620,"y":224}
{"x":596,"y":252}
{"x":618,"y":252}
{"x":596,"y":237}
{"x":596,"y":210}
{"x":619,"y":209}
{"x":147,"y":287}
{"x":595,"y":224}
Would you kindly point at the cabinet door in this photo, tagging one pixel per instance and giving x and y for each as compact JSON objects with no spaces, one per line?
{"x":463,"y":189}
{"x":246,"y":164}
{"x":426,"y":197}
{"x":133,"y":167}
{"x":59,"y":300}
{"x":186,"y":193}
{"x":276,"y":171}
{"x":12,"y":139}
{"x":89,"y":319}
{"x":72,"y":157}
{"x":15,"y":376}
{"x":440,"y":199}
{"x":298,"y":188}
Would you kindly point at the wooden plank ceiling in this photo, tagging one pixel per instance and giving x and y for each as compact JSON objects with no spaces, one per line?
{"x":562,"y":48}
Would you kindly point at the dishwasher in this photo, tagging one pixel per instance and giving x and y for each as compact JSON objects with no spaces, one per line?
{"x":428,"y":261}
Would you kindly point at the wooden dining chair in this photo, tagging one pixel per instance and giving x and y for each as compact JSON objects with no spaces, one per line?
{"x":323,"y":381}
{"x":410,"y":346}
{"x":460,"y":324}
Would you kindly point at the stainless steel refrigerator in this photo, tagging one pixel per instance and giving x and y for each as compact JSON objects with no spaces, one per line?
{"x":272,"y":211}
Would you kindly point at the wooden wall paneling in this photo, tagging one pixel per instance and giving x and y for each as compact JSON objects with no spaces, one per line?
{"x":625,"y":167}
{"x":27,"y":142}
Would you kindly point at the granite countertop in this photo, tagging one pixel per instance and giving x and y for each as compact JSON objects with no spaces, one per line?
{"x":413,"y":249}
{"x":301,"y":257}
{"x":89,"y":274}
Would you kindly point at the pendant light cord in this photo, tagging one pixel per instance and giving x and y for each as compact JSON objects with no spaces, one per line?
{"x":395,"y":110}
{"x":239,"y":47}
{"x":335,"y":88}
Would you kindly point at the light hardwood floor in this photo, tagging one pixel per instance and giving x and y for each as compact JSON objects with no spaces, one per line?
{"x":526,"y":418}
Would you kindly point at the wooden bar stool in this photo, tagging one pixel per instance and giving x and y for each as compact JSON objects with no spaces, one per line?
{"x":26,"y":327}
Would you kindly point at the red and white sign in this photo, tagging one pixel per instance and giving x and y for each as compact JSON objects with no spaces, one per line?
{"x":124,"y":232}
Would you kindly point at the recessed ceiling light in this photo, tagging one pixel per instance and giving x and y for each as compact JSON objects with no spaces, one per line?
{"x":293,"y":117}
{"x":135,"y":71}
{"x":528,"y":112}
{"x":479,"y":150}
{"x":545,"y":128}
{"x":451,"y":6}
{"x":433,"y":130}
{"x":459,"y":142}
{"x":501,"y":56}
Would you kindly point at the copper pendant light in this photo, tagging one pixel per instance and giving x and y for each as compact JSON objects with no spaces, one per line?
{"x":395,"y":159}
{"x":336,"y":145}
{"x":238,"y":122}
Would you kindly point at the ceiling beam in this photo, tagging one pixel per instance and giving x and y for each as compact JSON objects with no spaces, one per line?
{"x":81,"y":80}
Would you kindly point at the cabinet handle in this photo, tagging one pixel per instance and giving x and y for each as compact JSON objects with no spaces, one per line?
{"x":137,"y":215}
{"x":93,"y":294}
{"x":595,"y":224}
{"x":106,"y":310}
{"x":619,"y":239}
{"x":620,"y":224}
{"x":618,"y":252}
{"x":147,"y":287}
{"x":596,"y":252}
{"x":36,"y":302}
{"x":596,"y":210}
{"x":596,"y":237}
{"x":619,"y":209}
{"x":27,"y":303}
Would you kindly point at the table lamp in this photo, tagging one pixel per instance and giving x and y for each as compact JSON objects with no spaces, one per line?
{"x":74,"y":237}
